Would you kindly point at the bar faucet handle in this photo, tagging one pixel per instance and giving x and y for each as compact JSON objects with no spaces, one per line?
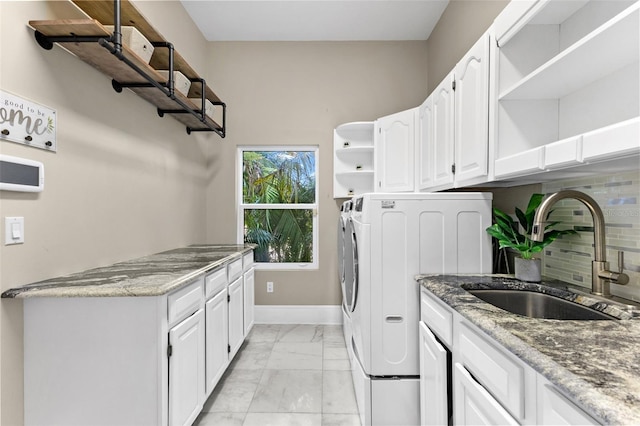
{"x":620,"y":261}
{"x":622,"y":277}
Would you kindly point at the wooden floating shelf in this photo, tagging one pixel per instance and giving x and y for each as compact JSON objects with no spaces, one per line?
{"x":101,"y":13}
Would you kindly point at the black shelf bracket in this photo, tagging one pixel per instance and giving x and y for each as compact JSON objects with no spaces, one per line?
{"x":201,"y":113}
{"x":113,"y":44}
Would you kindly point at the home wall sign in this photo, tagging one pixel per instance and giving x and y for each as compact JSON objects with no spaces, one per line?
{"x":26,"y":122}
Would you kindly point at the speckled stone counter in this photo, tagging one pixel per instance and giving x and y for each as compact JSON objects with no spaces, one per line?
{"x":152,"y":275}
{"x":597,"y":363}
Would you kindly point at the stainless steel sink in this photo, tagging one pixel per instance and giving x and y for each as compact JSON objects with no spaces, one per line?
{"x":538,"y":305}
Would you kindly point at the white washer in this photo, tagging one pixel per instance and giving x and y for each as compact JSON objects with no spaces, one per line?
{"x":395,"y":237}
{"x":345,"y":270}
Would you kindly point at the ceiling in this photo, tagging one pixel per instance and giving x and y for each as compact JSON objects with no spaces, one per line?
{"x":315,"y":20}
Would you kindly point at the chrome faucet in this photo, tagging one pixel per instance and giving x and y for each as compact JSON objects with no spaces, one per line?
{"x":601,"y":276}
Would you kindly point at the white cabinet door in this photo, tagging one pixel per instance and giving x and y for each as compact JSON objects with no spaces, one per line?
{"x":394,"y":148}
{"x":249,"y":290}
{"x":554,"y":409}
{"x":424,"y":144}
{"x":472,"y":112}
{"x":473,"y":405}
{"x":433,"y":379}
{"x":443,"y":132}
{"x":236,"y":317}
{"x":186,"y":370}
{"x":217,"y":338}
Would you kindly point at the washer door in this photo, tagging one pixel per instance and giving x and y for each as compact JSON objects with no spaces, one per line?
{"x":341,"y":237}
{"x":350,"y":267}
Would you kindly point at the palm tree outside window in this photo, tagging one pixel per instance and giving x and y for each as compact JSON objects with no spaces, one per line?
{"x":278,"y":207}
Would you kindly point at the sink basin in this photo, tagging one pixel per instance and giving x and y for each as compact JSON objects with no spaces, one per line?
{"x":538,"y":305}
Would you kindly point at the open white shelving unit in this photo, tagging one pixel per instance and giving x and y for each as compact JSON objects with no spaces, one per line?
{"x":353,"y":154}
{"x":567,"y":86}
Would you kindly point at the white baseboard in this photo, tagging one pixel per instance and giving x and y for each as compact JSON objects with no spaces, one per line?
{"x":298,"y":314}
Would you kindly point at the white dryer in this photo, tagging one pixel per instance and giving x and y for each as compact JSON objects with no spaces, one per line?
{"x":395,"y":237}
{"x":345,"y":269}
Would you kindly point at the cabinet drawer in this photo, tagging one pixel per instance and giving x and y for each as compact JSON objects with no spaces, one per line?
{"x":501,"y":375}
{"x":555,"y":409}
{"x":215,"y":281}
{"x":185,"y":301}
{"x":247,"y":261}
{"x":437,"y":317}
{"x":473,"y":405}
{"x":234,"y":270}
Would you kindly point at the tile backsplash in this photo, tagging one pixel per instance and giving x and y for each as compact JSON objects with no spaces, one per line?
{"x":569,"y":258}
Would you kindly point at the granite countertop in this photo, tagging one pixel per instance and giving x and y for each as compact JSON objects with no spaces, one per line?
{"x":152,"y":275}
{"x":596,"y":363}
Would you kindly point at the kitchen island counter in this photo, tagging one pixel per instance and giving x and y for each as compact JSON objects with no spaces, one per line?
{"x":152,"y":275}
{"x":594,"y":363}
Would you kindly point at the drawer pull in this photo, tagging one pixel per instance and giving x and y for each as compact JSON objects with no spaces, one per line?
{"x":394,"y":318}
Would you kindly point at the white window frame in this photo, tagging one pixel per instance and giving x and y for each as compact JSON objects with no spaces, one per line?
{"x":241,"y":206}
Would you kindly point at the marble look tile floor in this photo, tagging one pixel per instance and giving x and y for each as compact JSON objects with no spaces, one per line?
{"x":286,"y":375}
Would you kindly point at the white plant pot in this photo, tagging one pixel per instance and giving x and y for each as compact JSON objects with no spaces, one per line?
{"x":529,"y":270}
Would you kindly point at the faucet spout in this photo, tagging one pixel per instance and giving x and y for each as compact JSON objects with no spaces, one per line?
{"x":543,"y":211}
{"x":601,"y":276}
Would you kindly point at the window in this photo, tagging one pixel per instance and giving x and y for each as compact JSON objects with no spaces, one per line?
{"x":278,"y":205}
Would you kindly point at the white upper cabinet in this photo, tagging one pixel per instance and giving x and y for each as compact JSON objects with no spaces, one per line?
{"x":353,"y":159}
{"x":567,"y":86}
{"x":443,"y":133}
{"x":394,"y":152}
{"x":453,"y":124}
{"x":425,"y":145}
{"x":472,"y":113}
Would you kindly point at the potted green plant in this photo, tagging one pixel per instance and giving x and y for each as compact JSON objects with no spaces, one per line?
{"x":507,"y":232}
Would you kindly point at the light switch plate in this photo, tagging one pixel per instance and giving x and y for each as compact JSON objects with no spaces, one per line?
{"x":13,"y":230}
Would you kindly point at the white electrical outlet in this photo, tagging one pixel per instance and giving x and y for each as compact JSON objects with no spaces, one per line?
{"x":269,"y":287}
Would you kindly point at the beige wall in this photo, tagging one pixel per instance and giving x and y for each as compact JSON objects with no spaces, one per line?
{"x":124,"y":182}
{"x":459,"y":27}
{"x":297,"y":93}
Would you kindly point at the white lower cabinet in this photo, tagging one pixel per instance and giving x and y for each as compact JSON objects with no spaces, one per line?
{"x":131,"y":360}
{"x":217,"y":326}
{"x":434,"y":404}
{"x":249,"y":296}
{"x":555,"y":409}
{"x":187,"y":369}
{"x":473,"y":405}
{"x":505,"y":377}
{"x":236,"y":317}
{"x":490,"y":385}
